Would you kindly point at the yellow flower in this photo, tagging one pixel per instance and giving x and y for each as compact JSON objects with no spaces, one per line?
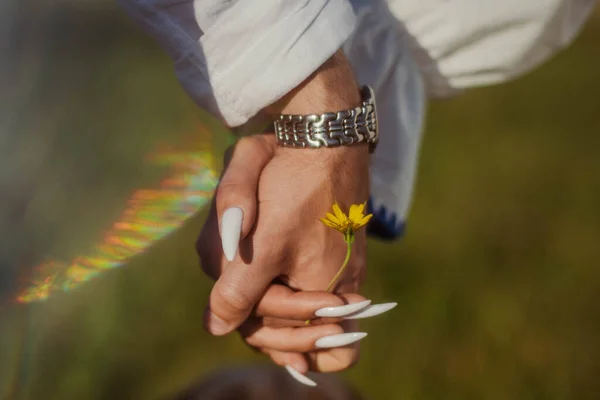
{"x":347,"y":224}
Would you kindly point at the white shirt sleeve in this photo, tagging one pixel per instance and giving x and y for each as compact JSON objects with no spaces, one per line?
{"x":466,"y":43}
{"x":403,"y":47}
{"x":235,"y":57}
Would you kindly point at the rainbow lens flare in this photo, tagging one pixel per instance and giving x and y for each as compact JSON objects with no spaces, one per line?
{"x":151,"y":214}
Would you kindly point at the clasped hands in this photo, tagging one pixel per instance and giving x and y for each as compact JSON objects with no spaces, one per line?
{"x":275,"y":259}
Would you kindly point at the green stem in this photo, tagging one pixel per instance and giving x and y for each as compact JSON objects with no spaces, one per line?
{"x":342,"y":268}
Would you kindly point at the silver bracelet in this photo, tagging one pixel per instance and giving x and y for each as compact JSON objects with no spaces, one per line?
{"x":332,"y":129}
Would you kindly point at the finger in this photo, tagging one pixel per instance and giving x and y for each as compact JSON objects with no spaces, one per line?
{"x":209,"y":250}
{"x":235,"y":294}
{"x":368,"y":312}
{"x":295,"y":360}
{"x":336,"y":359}
{"x":280,"y":301}
{"x":237,"y":191}
{"x":298,"y":340}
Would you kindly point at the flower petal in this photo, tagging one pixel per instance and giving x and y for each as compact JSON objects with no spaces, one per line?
{"x":363,"y":221}
{"x":332,"y":218}
{"x":339,"y":214}
{"x":354,"y":213}
{"x":330,"y":223}
{"x":361,"y":209}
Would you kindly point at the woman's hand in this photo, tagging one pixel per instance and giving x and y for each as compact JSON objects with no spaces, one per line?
{"x":330,"y":343}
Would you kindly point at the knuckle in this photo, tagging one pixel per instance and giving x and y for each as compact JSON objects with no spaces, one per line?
{"x":349,"y":359}
{"x":233,"y":191}
{"x":225,"y":193}
{"x":234,"y":299}
{"x":228,"y":186}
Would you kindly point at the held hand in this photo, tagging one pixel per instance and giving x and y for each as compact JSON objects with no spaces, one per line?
{"x":273,"y":250}
{"x":286,"y":241}
{"x":267,"y":209}
{"x":329,"y":344}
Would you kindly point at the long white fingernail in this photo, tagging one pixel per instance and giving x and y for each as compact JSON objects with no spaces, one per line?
{"x":341,"y":311}
{"x":343,"y":339}
{"x":231,"y":229}
{"x":372,"y":311}
{"x":299,"y":377}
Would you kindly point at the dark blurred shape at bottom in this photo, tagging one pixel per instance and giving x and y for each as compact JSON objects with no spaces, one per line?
{"x":267,"y":383}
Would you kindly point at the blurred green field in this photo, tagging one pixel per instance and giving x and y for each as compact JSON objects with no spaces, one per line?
{"x":497,"y":278}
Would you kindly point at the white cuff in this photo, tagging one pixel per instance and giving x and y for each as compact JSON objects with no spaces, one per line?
{"x":258,"y":69}
{"x":234,"y":58}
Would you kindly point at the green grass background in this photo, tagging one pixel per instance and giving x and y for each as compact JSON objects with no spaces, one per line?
{"x":498,"y":278}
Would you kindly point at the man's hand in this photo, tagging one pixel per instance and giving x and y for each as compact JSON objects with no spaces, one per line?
{"x":267,"y":209}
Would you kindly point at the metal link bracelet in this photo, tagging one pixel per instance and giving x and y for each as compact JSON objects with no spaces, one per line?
{"x":333,"y":129}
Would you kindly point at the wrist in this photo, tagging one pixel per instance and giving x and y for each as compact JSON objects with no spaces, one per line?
{"x":324,"y":154}
{"x":332,"y":87}
{"x":331,"y":95}
{"x":338,"y":163}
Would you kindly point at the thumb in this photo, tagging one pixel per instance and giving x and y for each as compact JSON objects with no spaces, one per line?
{"x":236,"y":195}
{"x":235,"y":295}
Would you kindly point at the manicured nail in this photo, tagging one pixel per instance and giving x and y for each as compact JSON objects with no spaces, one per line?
{"x":343,"y":339}
{"x":231,"y":229}
{"x":342,"y":311}
{"x":299,"y":377}
{"x":372,"y":311}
